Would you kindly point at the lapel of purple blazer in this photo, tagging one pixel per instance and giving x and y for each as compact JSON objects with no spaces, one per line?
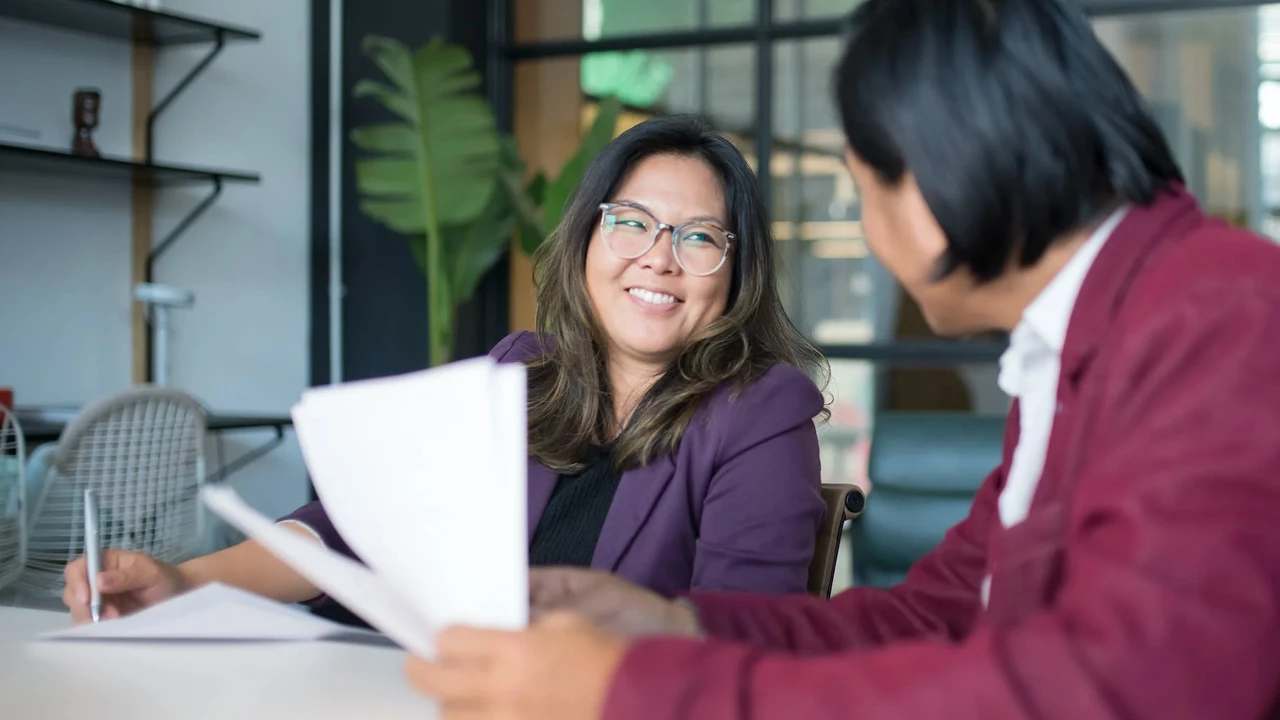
{"x":541,"y":481}
{"x":638,"y":491}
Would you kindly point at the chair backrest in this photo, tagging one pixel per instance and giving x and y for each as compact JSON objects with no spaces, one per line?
{"x":925,"y":468}
{"x":13,"y":460}
{"x":844,"y":502}
{"x":142,"y":451}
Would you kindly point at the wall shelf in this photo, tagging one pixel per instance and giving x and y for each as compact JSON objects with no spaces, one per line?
{"x":146,"y":31}
{"x":45,"y":161}
{"x":107,"y":18}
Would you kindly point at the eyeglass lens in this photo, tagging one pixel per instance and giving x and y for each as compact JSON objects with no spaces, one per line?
{"x":629,"y":233}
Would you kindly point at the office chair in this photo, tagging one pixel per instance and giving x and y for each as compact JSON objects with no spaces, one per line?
{"x":925,"y":469}
{"x":844,"y":502}
{"x":142,"y":451}
{"x":13,"y":538}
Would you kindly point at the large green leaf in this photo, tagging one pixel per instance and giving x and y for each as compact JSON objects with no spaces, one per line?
{"x":447,"y":142}
{"x":477,"y":246}
{"x":391,"y":138}
{"x":525,"y":201}
{"x":557,"y":192}
{"x":402,"y":217}
{"x":436,"y":168}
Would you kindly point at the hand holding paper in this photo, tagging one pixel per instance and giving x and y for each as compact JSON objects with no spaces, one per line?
{"x":424,"y":475}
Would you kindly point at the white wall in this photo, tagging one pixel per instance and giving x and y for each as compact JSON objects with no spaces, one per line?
{"x":244,"y":346}
{"x":64,"y":246}
{"x":64,"y":243}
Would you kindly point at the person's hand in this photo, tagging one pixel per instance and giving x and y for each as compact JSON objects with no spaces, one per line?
{"x":128,"y":583}
{"x":609,"y":602}
{"x":559,"y":669}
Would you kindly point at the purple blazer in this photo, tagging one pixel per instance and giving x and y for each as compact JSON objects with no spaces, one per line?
{"x":736,"y":508}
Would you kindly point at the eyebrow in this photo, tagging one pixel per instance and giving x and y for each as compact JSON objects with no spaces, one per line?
{"x":697,"y":218}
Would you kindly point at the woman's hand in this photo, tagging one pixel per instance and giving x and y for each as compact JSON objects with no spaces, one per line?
{"x":609,"y":602}
{"x":129,"y":582}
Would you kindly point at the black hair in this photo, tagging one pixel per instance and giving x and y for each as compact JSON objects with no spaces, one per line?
{"x":1015,"y":121}
{"x":571,"y":406}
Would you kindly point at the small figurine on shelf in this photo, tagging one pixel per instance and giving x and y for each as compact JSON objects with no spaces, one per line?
{"x":87,"y":103}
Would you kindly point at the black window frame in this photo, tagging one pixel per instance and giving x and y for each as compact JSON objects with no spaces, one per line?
{"x":764,"y":33}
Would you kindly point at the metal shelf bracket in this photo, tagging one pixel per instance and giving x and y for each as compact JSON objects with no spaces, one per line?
{"x":181,"y":227}
{"x":219,"y":42}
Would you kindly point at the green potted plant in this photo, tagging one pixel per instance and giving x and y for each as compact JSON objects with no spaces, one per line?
{"x":442,"y":176}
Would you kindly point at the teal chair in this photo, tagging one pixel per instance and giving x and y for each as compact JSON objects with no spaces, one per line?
{"x":925,"y":468}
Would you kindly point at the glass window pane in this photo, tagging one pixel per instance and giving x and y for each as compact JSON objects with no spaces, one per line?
{"x":837,"y":294}
{"x":845,"y":440}
{"x":811,"y":9}
{"x":555,"y":98}
{"x":1207,"y":76}
{"x":715,"y":83}
{"x":835,"y":291}
{"x":542,"y":20}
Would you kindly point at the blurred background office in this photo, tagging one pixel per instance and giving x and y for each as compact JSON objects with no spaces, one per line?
{"x":217,"y":242}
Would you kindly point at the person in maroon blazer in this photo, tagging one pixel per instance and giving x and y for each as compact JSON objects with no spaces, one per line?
{"x":671,"y":408}
{"x":1123,"y":561}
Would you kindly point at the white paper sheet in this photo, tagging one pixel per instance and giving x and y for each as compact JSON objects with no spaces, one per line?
{"x":214,"y":612}
{"x":424,"y":476}
{"x":348,"y":582}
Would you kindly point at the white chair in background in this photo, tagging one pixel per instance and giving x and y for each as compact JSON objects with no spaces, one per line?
{"x":13,"y":539}
{"x":142,"y":452}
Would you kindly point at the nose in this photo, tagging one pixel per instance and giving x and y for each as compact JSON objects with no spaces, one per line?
{"x":661,"y":257}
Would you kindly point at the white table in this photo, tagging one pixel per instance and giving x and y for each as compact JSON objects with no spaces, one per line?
{"x":102,"y":680}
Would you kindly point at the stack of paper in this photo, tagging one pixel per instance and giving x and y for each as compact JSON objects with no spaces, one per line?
{"x":424,"y":476}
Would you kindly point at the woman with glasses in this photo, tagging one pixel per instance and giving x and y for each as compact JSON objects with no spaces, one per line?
{"x":671,"y":411}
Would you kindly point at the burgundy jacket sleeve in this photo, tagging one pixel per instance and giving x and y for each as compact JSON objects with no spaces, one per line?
{"x":764,"y":504}
{"x":313,"y":515}
{"x":1169,"y":605}
{"x":938,"y":599}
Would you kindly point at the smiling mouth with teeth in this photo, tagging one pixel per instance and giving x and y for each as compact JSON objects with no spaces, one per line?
{"x":653,"y":297}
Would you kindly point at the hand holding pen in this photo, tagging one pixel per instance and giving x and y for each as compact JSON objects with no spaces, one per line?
{"x":126,"y":583}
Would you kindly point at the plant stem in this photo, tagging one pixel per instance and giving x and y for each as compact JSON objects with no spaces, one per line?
{"x":439,"y":308}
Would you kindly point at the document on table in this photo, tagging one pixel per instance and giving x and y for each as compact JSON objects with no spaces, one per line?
{"x":217,"y":613}
{"x":424,"y":475}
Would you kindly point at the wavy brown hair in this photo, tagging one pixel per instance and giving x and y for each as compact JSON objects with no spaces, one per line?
{"x":571,"y":405}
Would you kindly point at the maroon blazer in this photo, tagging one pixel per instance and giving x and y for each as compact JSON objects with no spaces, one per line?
{"x":1145,"y":581}
{"x":737,"y":507}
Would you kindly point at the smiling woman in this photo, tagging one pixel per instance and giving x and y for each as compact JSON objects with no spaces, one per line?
{"x":665,"y":365}
{"x":662,"y":276}
{"x":670,"y":402}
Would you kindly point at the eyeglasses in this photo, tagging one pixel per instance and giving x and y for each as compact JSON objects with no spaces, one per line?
{"x":628,"y":231}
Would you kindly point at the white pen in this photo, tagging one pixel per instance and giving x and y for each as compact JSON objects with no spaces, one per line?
{"x":93,"y":552}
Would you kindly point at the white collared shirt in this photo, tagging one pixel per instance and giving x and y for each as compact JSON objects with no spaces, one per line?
{"x":1029,"y":371}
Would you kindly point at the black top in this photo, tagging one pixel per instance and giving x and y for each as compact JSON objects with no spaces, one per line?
{"x":570,"y":526}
